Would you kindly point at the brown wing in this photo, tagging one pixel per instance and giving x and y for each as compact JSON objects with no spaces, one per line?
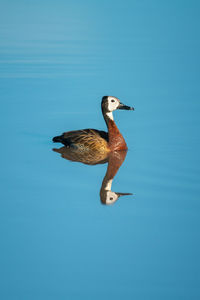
{"x":85,"y":139}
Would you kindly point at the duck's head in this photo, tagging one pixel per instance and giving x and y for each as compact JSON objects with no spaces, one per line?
{"x":110,"y":103}
{"x":109,"y":197}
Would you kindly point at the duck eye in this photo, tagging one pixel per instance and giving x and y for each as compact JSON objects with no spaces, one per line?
{"x":112,"y":100}
{"x":111,"y":198}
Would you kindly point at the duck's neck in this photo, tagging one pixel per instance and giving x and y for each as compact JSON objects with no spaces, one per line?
{"x":115,"y":138}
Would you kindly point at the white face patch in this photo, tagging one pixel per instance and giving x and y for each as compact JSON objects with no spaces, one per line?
{"x":111,"y":197}
{"x":113,"y":103}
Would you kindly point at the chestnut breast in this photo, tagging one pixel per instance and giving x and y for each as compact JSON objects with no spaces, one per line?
{"x":115,"y":138}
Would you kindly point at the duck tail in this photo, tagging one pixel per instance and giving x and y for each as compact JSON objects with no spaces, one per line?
{"x":58,"y":139}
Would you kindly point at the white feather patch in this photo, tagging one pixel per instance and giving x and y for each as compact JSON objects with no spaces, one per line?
{"x":110,"y":115}
{"x":108,"y":185}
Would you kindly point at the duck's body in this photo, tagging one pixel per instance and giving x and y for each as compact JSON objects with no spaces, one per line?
{"x":84,"y":139}
{"x":95,"y":140}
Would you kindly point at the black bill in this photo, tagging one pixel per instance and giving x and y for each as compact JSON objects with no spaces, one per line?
{"x":122,"y":106}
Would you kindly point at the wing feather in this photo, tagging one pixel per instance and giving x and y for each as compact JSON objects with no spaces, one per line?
{"x":86,"y":139}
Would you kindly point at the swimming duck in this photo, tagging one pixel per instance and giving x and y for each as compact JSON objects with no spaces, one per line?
{"x":91,"y":139}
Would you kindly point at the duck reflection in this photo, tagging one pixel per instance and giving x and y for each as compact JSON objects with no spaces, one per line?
{"x":114,"y":160}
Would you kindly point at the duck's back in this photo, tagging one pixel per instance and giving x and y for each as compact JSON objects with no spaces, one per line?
{"x":84,"y":140}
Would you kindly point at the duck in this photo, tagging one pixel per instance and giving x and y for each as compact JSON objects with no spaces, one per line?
{"x":87,"y":140}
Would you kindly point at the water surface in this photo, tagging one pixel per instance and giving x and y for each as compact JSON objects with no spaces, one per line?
{"x":57,"y":60}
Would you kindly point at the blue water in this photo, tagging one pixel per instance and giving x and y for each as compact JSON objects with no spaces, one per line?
{"x":57,"y":60}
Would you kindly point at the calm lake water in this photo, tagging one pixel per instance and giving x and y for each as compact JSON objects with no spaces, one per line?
{"x":57,"y":60}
